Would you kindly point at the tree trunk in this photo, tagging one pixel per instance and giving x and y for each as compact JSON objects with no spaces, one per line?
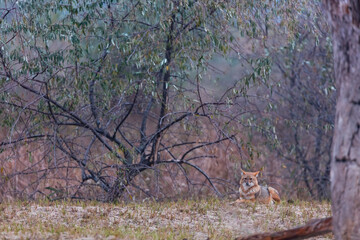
{"x":344,"y":17}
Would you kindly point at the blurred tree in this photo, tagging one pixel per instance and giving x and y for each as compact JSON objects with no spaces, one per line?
{"x":294,"y":109}
{"x":303,"y":104}
{"x":344,"y":17}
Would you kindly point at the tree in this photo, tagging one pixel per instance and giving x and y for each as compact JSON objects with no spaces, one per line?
{"x":104,"y":88}
{"x":302,"y":105}
{"x":344,"y":17}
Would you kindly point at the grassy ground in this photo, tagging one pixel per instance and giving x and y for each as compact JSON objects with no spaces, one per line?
{"x":190,"y":219}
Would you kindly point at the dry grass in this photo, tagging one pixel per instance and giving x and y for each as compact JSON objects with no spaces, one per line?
{"x":185,"y":219}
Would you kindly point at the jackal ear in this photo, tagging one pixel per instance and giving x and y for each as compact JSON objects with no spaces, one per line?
{"x":243,"y":172}
{"x":256,"y":173}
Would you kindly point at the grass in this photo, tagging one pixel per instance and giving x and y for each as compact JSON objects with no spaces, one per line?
{"x":183,"y":219}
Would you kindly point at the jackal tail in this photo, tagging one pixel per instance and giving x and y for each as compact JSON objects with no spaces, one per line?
{"x":274,"y":194}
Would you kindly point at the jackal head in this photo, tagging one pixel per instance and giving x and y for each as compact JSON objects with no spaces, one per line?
{"x":248,"y":179}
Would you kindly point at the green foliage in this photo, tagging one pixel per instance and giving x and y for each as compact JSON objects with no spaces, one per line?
{"x":66,"y":42}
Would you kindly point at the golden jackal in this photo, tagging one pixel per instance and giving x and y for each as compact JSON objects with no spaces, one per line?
{"x":251,"y":191}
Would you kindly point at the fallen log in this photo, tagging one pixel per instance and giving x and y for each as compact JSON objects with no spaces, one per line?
{"x":313,"y":228}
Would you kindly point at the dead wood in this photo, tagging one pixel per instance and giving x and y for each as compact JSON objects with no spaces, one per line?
{"x":313,"y":228}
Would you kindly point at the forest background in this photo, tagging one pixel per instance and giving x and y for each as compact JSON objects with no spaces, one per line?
{"x":109,"y":100}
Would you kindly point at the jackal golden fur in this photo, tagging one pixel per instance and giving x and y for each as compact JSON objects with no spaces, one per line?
{"x":251,"y":191}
